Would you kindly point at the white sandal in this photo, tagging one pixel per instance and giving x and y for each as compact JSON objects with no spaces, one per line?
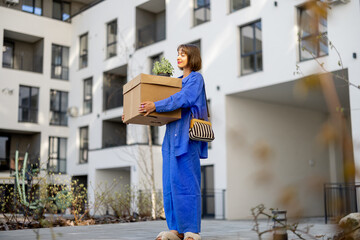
{"x":167,"y":235}
{"x":190,"y":235}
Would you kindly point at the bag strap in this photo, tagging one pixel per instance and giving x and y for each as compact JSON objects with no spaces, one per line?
{"x":207,"y":107}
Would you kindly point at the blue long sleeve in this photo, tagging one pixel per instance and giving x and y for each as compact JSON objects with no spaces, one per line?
{"x":186,"y":98}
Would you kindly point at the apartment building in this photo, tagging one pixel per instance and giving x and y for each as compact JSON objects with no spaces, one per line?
{"x":63,"y":69}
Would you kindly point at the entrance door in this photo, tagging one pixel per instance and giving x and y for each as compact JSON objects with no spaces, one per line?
{"x":207,"y":190}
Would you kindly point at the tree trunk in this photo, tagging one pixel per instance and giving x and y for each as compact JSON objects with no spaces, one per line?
{"x":153,"y":190}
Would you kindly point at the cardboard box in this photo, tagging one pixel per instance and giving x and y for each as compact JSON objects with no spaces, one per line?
{"x":153,"y":88}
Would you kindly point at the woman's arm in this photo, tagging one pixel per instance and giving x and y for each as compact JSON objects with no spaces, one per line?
{"x":183,"y":99}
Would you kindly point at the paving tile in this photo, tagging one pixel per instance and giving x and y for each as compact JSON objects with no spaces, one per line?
{"x":211,"y":230}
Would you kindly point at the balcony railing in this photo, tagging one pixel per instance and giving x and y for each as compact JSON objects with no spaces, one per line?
{"x":213,"y":203}
{"x":25,"y":63}
{"x":148,"y":35}
{"x":340,"y":200}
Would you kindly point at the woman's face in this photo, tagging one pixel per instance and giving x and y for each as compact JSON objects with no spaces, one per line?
{"x":182,"y":59}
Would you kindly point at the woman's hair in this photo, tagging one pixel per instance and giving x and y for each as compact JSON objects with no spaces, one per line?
{"x":193,"y":54}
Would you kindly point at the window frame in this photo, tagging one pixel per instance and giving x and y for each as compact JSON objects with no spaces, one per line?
{"x":153,"y":59}
{"x":12,"y":43}
{"x":53,"y":65}
{"x":254,"y":52}
{"x":84,"y":95}
{"x":84,"y":56}
{"x":110,"y":44}
{"x":58,"y":159}
{"x":61,"y":111}
{"x":113,"y":92}
{"x":300,"y":10}
{"x":243,"y":5}
{"x":33,"y":7}
{"x":20,"y":107}
{"x":81,"y":147}
{"x":5,"y":167}
{"x":208,"y":5}
{"x":62,"y":3}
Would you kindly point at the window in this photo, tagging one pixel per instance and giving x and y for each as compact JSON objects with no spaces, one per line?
{"x":57,"y":155}
{"x":28,"y":104}
{"x":84,"y":144}
{"x":113,"y":90}
{"x":197,"y":43}
{"x":201,"y":11}
{"x":61,"y":10}
{"x":83,"y":50}
{"x":87,"y":106}
{"x":58,"y":107}
{"x":154,"y":59}
{"x":111,"y":39}
{"x":238,"y":4}
{"x":32,"y":6}
{"x":4,"y":152}
{"x":312,"y":34}
{"x":113,"y":133}
{"x":8,"y":54}
{"x":60,"y":62}
{"x":251,"y":48}
{"x":154,"y":134}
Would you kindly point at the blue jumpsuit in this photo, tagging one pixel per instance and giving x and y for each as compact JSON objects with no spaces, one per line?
{"x":181,"y":157}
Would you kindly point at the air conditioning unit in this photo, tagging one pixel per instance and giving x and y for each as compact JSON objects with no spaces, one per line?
{"x":334,"y":2}
{"x":73,"y":111}
{"x":12,"y":2}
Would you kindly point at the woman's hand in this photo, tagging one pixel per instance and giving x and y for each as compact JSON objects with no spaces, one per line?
{"x":122,"y":119}
{"x":147,"y":107}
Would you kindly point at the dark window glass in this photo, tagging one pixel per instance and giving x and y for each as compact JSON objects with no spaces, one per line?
{"x":32,"y":6}
{"x":154,"y":135}
{"x":8,"y":54}
{"x":83,"y":51}
{"x":111,"y":39}
{"x":154,"y":59}
{"x":87,"y":106}
{"x":251,"y":48}
{"x":238,"y":4}
{"x":84,"y":144}
{"x":197,"y":43}
{"x":28,"y":104}
{"x":57,"y":155}
{"x":60,"y":62}
{"x":61,"y":10}
{"x":201,"y":11}
{"x":4,"y":152}
{"x":312,"y":34}
{"x":113,"y":90}
{"x":58,"y":107}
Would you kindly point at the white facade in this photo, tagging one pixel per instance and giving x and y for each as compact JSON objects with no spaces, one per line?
{"x":249,"y":112}
{"x":57,"y":32}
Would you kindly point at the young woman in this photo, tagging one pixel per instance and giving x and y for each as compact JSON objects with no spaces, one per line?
{"x":181,"y":156}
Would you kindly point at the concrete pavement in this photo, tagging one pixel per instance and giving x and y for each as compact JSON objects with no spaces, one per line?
{"x":211,"y":230}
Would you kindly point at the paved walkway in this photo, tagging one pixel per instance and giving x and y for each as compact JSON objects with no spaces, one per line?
{"x":211,"y":230}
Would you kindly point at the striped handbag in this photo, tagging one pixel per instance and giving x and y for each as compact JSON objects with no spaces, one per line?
{"x":201,"y":130}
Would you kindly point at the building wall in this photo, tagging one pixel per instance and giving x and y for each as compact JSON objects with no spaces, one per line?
{"x":220,"y":43}
{"x":268,"y":156}
{"x":52,"y":31}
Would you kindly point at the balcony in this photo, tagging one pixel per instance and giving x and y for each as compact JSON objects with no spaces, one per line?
{"x":56,"y":9}
{"x":113,"y":133}
{"x":150,"y":23}
{"x":22,"y":52}
{"x":10,"y":141}
{"x":113,"y":83}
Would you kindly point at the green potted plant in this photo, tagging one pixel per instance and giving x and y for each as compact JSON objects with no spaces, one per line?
{"x":163,"y":68}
